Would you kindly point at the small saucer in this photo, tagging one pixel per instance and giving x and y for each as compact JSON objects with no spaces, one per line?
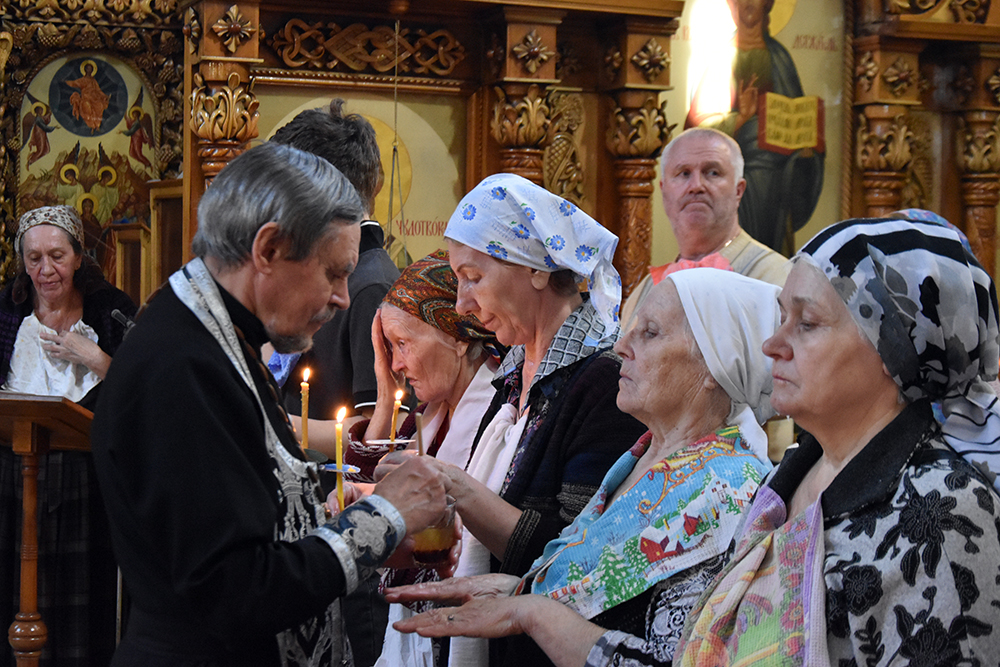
{"x":400,"y":443}
{"x":332,"y":467}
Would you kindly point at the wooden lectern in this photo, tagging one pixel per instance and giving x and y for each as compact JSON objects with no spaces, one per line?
{"x":34,"y":425}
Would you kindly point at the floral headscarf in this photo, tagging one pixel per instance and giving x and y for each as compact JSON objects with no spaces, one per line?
{"x":510,"y":218}
{"x":930,"y":310}
{"x":428,"y":290}
{"x":64,"y":217}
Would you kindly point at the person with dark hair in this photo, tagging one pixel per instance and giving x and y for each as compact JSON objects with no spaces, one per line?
{"x":342,"y":360}
{"x":217,"y":517}
{"x":57,"y":335}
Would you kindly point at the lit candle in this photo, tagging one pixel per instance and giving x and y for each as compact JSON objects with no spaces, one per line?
{"x":419,"y":418}
{"x":340,"y":457}
{"x":305,"y":408}
{"x":395,"y":412}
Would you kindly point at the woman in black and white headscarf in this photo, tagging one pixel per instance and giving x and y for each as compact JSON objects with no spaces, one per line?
{"x":876,"y":540}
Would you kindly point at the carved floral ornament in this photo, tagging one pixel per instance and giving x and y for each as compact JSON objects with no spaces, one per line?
{"x":112,"y":12}
{"x":993,"y":85}
{"x":233,"y":29}
{"x":979,"y":148}
{"x":520,"y":123}
{"x":963,"y":11}
{"x":899,"y":76}
{"x":889,"y":151}
{"x":358,"y":48}
{"x":613,"y":61}
{"x":532,"y":52}
{"x":651,"y":59}
{"x":970,"y":11}
{"x":228,"y":114}
{"x":866,"y":71}
{"x":567,"y":61}
{"x":191,"y":29}
{"x":639,"y":132}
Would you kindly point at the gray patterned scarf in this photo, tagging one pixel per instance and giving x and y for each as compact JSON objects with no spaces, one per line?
{"x":930,"y":310}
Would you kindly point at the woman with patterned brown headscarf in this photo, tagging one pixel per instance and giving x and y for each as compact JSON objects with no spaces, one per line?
{"x":448,"y":359}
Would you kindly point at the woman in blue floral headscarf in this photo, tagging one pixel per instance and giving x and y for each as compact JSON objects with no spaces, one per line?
{"x":876,"y":540}
{"x":553,"y":429}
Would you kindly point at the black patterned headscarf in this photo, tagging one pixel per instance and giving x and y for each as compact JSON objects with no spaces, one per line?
{"x":930,"y":310}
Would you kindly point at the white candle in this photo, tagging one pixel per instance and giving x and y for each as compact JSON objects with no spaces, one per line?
{"x":395,"y":412}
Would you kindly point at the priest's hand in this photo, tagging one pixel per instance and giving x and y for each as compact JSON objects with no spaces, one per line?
{"x":417,"y":490}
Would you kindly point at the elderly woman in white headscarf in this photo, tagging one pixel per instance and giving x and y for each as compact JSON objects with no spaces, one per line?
{"x":553,"y":428}
{"x":618,"y":582}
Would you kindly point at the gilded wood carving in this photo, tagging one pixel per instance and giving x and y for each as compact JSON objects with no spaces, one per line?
{"x":532,"y":52}
{"x":979,"y":146}
{"x":229,"y":113}
{"x":191,"y":30}
{"x":112,"y":12}
{"x":640,"y":132}
{"x":562,"y":170}
{"x":889,"y":150}
{"x":520,"y":122}
{"x":898,"y":77}
{"x":613,"y":61}
{"x":866,"y":71}
{"x":359,"y":48}
{"x":233,"y":29}
{"x":651,"y":59}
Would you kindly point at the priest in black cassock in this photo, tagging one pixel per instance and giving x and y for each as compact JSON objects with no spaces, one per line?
{"x":217,"y":519}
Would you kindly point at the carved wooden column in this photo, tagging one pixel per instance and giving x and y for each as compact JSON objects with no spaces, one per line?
{"x":222,"y":40}
{"x":636,"y":68}
{"x":883,"y":153}
{"x":978,"y":159}
{"x":886,"y":76}
{"x":523,"y":62}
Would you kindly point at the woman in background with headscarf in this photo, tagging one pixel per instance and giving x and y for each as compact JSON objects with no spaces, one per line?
{"x":553,"y":429}
{"x":616,"y":585}
{"x":875,"y":542}
{"x":57,"y":336}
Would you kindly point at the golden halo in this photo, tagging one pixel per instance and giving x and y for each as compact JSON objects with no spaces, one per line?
{"x":84,"y":197}
{"x":83,"y":66}
{"x":38,"y":107}
{"x":114,"y":174}
{"x":65,"y":168}
{"x":780,"y":15}
{"x":137,"y":112}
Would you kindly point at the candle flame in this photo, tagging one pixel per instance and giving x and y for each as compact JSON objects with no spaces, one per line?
{"x":305,"y":375}
{"x":341,"y":413}
{"x":399,"y":394}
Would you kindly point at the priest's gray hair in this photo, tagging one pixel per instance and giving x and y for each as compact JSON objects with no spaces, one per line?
{"x":735,"y":153}
{"x":303,"y":193}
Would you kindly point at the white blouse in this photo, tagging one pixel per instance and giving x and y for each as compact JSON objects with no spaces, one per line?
{"x":33,"y":371}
